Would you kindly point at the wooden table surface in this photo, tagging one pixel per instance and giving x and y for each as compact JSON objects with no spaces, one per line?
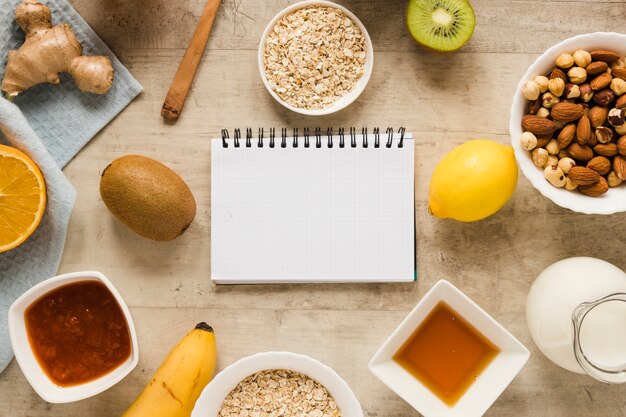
{"x":444,"y":99}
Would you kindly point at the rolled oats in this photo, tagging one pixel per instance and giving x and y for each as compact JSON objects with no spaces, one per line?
{"x":314,"y":56}
{"x":279,"y":393}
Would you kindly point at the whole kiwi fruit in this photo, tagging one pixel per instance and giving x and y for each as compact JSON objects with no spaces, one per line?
{"x":147,"y":197}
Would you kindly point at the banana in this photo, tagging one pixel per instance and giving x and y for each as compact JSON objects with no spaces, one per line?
{"x":177,"y":384}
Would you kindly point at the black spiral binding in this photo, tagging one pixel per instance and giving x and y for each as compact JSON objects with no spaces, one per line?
{"x":306,"y":135}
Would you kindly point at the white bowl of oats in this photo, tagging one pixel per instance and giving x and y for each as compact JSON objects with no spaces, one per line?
{"x":315,"y":57}
{"x":277,"y":383}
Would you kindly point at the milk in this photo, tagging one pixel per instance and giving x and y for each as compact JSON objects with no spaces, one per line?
{"x":554,"y":296}
{"x":603,"y":335}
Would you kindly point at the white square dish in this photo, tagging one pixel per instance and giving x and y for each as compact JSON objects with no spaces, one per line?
{"x":29,"y":364}
{"x":487,"y":387}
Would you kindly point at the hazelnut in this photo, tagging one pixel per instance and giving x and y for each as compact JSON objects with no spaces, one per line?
{"x":569,"y":185}
{"x":603,"y":98}
{"x":621,"y":130}
{"x":552,"y":160}
{"x":566,"y":164}
{"x":577,"y":75}
{"x":613,"y":179}
{"x":618,"y":86}
{"x":552,"y":147}
{"x":555,"y":175}
{"x":586,"y":92}
{"x":558,"y":73}
{"x":556,"y":86}
{"x":543,"y":112}
{"x":620,"y":63}
{"x":572,"y":91}
{"x":604,"y":134}
{"x":616,"y":117}
{"x":540,"y":157}
{"x":528,"y":141}
{"x":548,"y":100}
{"x":582,"y":58}
{"x":542,"y":82}
{"x":564,"y":61}
{"x":530,"y":91}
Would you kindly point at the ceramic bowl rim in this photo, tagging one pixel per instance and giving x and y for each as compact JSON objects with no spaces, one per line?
{"x":27,"y":361}
{"x":234,"y":373}
{"x":344,"y":101}
{"x":614,"y":201}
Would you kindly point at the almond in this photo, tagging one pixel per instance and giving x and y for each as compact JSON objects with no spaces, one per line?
{"x":583,"y":130}
{"x":601,"y":81}
{"x":567,"y":112}
{"x":583,"y":175}
{"x":621,"y":146}
{"x":619,"y":73}
{"x":600,"y":164}
{"x":608,"y":149}
{"x":566,"y":135}
{"x":621,"y":102}
{"x":605,"y":56}
{"x":596,"y":68}
{"x":619,"y":166}
{"x":593,"y":140}
{"x":597,"y":115}
{"x":580,"y":153}
{"x":594,"y":190}
{"x":537,"y":125}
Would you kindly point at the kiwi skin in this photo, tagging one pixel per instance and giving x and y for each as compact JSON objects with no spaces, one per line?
{"x":441,"y":51}
{"x":147,"y":197}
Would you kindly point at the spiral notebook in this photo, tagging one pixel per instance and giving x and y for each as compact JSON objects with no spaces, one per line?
{"x":296,"y":207}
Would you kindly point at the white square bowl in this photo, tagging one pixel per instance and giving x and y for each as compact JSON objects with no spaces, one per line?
{"x":489,"y":385}
{"x":41,"y":383}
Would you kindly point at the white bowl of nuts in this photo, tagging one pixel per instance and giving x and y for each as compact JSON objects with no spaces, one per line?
{"x":277,"y":383}
{"x":315,"y":57}
{"x":567,"y":123}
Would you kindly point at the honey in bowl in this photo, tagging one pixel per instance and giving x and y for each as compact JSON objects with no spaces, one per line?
{"x":78,"y":333}
{"x":446,"y":354}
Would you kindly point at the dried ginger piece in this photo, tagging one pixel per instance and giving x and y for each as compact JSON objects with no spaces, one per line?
{"x":49,"y":50}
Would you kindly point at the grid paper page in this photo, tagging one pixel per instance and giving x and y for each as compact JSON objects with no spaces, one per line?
{"x":312,"y":214}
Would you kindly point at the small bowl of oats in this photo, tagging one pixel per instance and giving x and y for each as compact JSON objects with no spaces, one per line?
{"x":315,"y":57}
{"x":277,"y":384}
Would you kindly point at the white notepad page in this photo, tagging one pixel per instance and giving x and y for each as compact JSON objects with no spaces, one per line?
{"x":312,"y":214}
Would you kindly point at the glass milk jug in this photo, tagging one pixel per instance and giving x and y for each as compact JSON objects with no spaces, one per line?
{"x":576,"y":314}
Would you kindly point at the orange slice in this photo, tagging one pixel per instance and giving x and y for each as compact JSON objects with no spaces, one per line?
{"x":22,"y":197}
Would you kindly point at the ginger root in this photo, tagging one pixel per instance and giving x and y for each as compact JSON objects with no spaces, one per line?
{"x":49,"y":50}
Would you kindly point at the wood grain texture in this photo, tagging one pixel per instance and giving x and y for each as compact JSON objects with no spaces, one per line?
{"x":444,"y":99}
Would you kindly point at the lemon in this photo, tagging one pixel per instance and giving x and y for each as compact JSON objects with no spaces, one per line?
{"x":473,"y":181}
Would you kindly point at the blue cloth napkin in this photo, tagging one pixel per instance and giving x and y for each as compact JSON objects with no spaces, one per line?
{"x":64,"y":117}
{"x":51,"y":123}
{"x":38,"y":258}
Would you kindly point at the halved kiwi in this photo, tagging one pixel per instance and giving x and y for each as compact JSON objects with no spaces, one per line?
{"x":441,"y":25}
